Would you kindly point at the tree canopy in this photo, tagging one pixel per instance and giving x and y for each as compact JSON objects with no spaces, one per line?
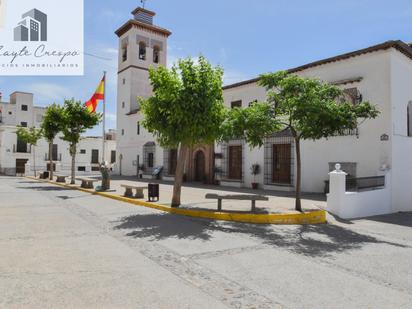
{"x":187,"y":103}
{"x":76,"y":120}
{"x":30,"y":136}
{"x":309,"y":108}
{"x":186,"y":109}
{"x":52,"y":122}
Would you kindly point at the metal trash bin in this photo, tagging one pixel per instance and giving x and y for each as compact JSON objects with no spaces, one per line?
{"x":153,"y":193}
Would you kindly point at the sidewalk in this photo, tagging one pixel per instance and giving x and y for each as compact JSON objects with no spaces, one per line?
{"x":193,"y":197}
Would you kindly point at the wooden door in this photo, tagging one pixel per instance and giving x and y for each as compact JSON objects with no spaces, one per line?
{"x":235,"y":162}
{"x":200,"y":166}
{"x":20,"y":166}
{"x":281,"y":164}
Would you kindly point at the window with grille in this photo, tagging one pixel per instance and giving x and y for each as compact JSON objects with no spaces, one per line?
{"x":55,"y":152}
{"x":113,"y":156}
{"x":95,"y":156}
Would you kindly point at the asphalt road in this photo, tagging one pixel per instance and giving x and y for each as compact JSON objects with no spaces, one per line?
{"x":67,"y":249}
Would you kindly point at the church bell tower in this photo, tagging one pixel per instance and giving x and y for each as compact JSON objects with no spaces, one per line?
{"x":142,"y":45}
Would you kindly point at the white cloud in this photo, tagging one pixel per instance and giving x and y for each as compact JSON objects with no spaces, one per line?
{"x":111,"y":50}
{"x":47,"y":93}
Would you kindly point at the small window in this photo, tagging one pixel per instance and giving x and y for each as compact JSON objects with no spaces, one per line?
{"x":150,"y":160}
{"x":23,"y":124}
{"x":123,"y":104}
{"x":122,"y":131}
{"x":124,"y":81}
{"x":81,"y":168}
{"x":10,"y":113}
{"x":82,"y":151}
{"x":95,"y":168}
{"x":236,"y":104}
{"x":24,"y":108}
{"x":156,"y":54}
{"x":138,"y":128}
{"x":124,"y":53}
{"x":142,"y":51}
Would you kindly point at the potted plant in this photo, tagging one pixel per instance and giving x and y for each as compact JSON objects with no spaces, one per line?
{"x":255,"y":170}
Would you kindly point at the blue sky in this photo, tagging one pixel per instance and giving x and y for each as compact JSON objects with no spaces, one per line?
{"x":247,"y":38}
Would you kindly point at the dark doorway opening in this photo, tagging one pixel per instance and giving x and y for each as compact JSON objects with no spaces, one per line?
{"x":20,"y":166}
{"x":200,"y":168}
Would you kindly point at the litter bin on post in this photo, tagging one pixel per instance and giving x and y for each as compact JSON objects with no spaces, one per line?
{"x":153,"y":189}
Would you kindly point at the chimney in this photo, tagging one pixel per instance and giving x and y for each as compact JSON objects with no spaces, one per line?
{"x":143,"y":15}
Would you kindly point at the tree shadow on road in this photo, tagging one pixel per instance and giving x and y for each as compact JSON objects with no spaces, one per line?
{"x":163,"y":226}
{"x":44,"y":188}
{"x":310,"y":240}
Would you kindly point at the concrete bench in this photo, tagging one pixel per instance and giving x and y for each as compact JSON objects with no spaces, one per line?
{"x":87,"y":183}
{"x":44,"y":175}
{"x":130,"y":188}
{"x":61,"y":178}
{"x":238,"y":197}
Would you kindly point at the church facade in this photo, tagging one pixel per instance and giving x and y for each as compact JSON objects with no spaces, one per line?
{"x":380,"y":74}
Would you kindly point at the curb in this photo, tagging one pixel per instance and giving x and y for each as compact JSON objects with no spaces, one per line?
{"x":312,"y":217}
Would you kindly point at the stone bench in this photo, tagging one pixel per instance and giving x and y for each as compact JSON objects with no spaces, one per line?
{"x":61,"y":178}
{"x":87,"y":183}
{"x":238,"y":197}
{"x":129,"y":190}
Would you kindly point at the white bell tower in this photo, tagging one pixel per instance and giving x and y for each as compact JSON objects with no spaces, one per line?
{"x":141,"y":45}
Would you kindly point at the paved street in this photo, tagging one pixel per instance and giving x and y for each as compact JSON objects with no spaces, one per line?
{"x":68,"y":249}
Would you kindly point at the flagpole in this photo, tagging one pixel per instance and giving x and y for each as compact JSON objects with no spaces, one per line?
{"x":104,"y":117}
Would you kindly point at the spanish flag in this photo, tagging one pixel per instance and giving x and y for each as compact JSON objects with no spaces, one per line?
{"x":91,"y":105}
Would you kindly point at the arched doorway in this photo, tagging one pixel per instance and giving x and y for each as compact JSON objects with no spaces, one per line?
{"x":200,"y":166}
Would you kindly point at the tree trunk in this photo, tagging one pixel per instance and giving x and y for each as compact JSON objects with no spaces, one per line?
{"x":51,"y":160}
{"x":180,"y":167}
{"x":73,"y":153}
{"x":34,"y":162}
{"x":298,"y":205}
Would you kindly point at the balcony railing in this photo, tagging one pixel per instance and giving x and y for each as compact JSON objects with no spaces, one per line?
{"x":21,"y":149}
{"x":55,"y":158}
{"x":348,"y":132}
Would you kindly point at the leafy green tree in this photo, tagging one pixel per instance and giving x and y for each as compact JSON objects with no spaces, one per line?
{"x":75,"y":121}
{"x":51,"y":126}
{"x":309,"y":108}
{"x":186,"y":109}
{"x":30,"y":136}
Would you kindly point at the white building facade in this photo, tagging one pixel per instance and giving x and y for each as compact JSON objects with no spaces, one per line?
{"x":380,"y":74}
{"x":17,"y":158}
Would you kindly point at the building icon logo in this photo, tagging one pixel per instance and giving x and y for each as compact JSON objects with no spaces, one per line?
{"x":32,"y":27}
